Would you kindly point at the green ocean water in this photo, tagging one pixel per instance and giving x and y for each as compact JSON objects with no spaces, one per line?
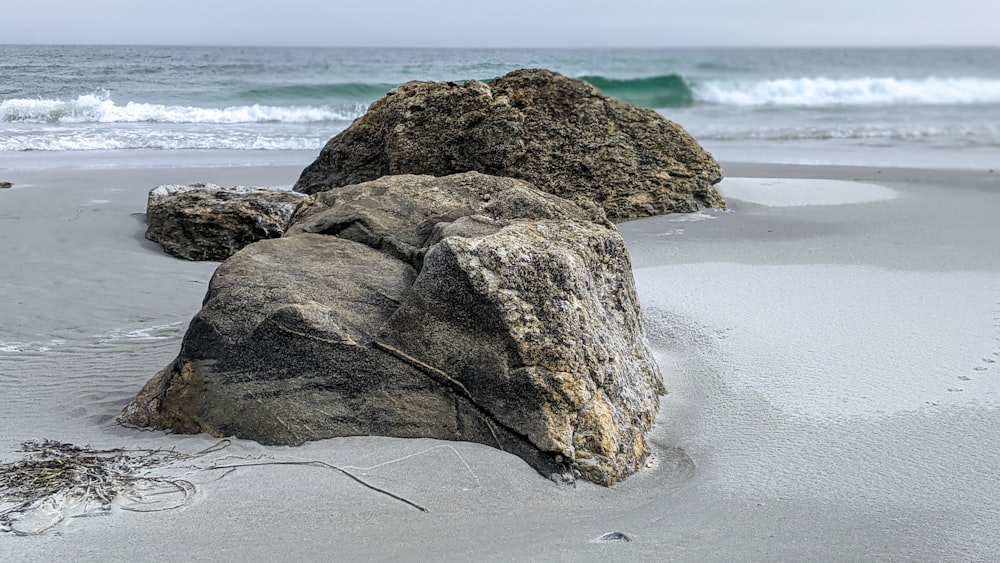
{"x":73,"y":98}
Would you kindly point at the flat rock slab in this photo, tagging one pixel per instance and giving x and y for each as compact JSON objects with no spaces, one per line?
{"x":209,"y":222}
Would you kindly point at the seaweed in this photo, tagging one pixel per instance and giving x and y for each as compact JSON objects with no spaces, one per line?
{"x":55,"y":481}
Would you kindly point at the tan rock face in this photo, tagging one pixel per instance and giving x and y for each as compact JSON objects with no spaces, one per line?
{"x":466,"y":307}
{"x":561,"y":135}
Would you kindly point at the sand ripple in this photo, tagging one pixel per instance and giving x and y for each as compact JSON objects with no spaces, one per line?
{"x":80,"y":383}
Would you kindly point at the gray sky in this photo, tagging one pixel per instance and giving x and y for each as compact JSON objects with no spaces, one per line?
{"x":504,"y":23}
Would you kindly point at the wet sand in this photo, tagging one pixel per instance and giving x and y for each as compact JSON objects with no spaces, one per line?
{"x":832,"y":353}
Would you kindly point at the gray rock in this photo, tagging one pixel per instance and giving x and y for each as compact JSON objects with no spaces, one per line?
{"x":402,"y":215}
{"x":560,"y":134}
{"x":209,"y":222}
{"x":497,"y":314}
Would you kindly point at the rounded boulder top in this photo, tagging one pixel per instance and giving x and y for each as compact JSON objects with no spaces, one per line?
{"x":562,"y":135}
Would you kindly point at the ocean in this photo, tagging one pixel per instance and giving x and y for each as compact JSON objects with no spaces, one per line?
{"x":916,"y":107}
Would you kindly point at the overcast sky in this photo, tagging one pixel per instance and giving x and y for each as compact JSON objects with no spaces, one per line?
{"x":504,"y":23}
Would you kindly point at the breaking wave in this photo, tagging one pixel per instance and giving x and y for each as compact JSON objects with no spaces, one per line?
{"x":667,"y":91}
{"x":818,"y":92}
{"x":940,"y":111}
{"x":672,"y":90}
{"x":99,"y":108}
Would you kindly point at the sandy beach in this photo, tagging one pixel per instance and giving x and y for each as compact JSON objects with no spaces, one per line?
{"x":831,"y":344}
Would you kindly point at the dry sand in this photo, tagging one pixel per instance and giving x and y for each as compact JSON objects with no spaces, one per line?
{"x":832,"y":352}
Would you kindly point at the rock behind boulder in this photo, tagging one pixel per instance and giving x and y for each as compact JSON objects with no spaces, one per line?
{"x":209,"y":222}
{"x":560,"y":134}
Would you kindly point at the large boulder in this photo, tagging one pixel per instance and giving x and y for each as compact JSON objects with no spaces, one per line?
{"x":466,"y":307}
{"x":209,"y":222}
{"x":560,"y":134}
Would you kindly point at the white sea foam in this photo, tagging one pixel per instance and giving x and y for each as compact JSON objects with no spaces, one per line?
{"x":17,"y":347}
{"x":688,"y":217}
{"x":99,"y":108}
{"x":157,"y":332}
{"x":123,"y":138}
{"x":811,"y":92}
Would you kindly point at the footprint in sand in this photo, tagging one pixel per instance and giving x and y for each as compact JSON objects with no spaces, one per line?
{"x":996,"y":353}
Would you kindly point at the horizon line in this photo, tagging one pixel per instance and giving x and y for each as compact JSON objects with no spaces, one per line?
{"x":529,"y":47}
